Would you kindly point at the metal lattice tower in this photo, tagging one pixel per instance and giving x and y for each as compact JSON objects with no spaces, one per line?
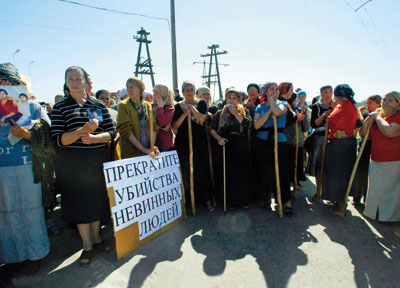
{"x":214,"y":54}
{"x":145,"y":67}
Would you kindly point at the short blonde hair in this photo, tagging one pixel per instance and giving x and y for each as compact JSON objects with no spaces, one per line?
{"x":165,"y":93}
{"x":138,"y":83}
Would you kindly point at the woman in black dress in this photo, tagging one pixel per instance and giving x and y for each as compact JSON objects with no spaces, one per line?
{"x":319,"y":113}
{"x":197,"y":111}
{"x":229,"y":127}
{"x":82,"y":140}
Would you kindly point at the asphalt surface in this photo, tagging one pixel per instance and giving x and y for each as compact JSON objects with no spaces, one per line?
{"x":244,"y":248}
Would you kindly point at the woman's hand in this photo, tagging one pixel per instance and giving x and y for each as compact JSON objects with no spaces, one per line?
{"x":160,"y":102}
{"x":90,"y":126}
{"x":89,"y":139}
{"x":373,"y":115}
{"x":300,"y":116}
{"x":166,"y":128}
{"x":186,"y":109}
{"x":222,"y":141}
{"x":232,"y":109}
{"x":18,"y":131}
{"x":153,"y":153}
{"x":5,"y":83}
{"x":327,"y":112}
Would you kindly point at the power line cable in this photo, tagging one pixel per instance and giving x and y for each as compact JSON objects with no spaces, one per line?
{"x":117,"y":11}
{"x":60,"y":28}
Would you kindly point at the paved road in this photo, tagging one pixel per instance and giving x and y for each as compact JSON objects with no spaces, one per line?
{"x":245,"y":248}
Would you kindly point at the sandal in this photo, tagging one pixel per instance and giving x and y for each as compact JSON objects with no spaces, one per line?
{"x":288,"y":211}
{"x":84,"y":260}
{"x":102,"y":246}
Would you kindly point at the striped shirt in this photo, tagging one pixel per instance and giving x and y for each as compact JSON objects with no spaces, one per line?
{"x":67,"y":116}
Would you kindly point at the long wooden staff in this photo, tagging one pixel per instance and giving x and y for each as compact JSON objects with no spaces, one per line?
{"x":321,"y":174}
{"x":191,"y":165}
{"x":296,"y":159}
{"x":151,"y":129}
{"x":353,"y":173}
{"x":210,"y":154}
{"x":278,"y":184}
{"x":223,"y":159}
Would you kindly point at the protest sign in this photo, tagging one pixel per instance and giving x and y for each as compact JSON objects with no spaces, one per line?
{"x":146,"y":198}
{"x":15,"y":106}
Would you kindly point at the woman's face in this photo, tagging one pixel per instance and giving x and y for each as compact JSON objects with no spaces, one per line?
{"x":3,"y":95}
{"x":233,"y":99}
{"x":105,"y":97}
{"x":390,"y":101}
{"x":273,"y":89}
{"x":372,"y":105}
{"x":326,"y":95}
{"x":133,"y":90}
{"x":252,"y":92}
{"x":156,"y":93}
{"x":23,"y":99}
{"x":302,"y":99}
{"x":75,"y":81}
{"x":188,"y":92}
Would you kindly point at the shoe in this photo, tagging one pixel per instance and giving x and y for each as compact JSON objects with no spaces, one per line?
{"x":102,"y":246}
{"x":210,"y":207}
{"x":288,"y":211}
{"x":85,"y":258}
{"x":335,"y":210}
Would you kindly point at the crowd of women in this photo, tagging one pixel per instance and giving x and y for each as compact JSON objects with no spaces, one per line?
{"x":237,"y":139}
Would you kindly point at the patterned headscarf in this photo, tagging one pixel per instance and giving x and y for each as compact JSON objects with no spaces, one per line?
{"x":265,"y":89}
{"x":187,"y":83}
{"x":344,"y":90}
{"x":284,"y":87}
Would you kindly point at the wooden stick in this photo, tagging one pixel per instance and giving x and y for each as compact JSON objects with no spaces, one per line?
{"x":151,"y":129}
{"x":191,"y":165}
{"x":278,"y":184}
{"x":223,"y":159}
{"x":353,"y":173}
{"x":296,"y":160}
{"x":210,"y":154}
{"x":321,"y":176}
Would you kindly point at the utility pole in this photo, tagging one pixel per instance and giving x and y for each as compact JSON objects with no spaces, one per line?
{"x":204,"y":69}
{"x":173,"y":42}
{"x":144,"y":67}
{"x":214,"y":54}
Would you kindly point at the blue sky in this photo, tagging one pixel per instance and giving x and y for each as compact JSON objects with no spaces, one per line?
{"x":308,"y":42}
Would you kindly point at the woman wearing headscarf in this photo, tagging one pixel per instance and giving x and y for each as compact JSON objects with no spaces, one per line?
{"x":229,"y":128}
{"x":319,"y":113}
{"x":360,"y":186}
{"x":383,"y":197}
{"x":23,"y":234}
{"x":133,"y":122}
{"x":341,"y":149}
{"x":196,"y":110}
{"x":293,"y":115}
{"x":83,"y":146}
{"x":264,"y":125}
{"x":163,"y":107}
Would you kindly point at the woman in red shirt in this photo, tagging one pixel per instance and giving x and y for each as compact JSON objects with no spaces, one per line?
{"x":341,"y":149}
{"x":383,"y":197}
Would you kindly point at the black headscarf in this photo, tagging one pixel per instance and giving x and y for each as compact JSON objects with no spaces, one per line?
{"x":344,"y":90}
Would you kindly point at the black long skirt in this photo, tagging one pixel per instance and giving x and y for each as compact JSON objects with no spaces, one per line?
{"x":83,"y":192}
{"x":340,"y":159}
{"x":237,"y":171}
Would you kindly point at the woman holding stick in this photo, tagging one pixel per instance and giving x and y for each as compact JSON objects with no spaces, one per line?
{"x":341,"y":149}
{"x":383,"y":197}
{"x":229,"y":127}
{"x":83,"y":146}
{"x":319,"y":113}
{"x":196,"y":110}
{"x":263,"y":123}
{"x":133,"y":123}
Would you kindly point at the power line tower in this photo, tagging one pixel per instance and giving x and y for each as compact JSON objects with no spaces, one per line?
{"x":214,"y":54}
{"x":145,"y":67}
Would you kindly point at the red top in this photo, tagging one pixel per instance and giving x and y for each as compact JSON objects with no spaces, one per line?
{"x":342,"y":118}
{"x":165,"y":139}
{"x":8,"y":107}
{"x":383,"y":148}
